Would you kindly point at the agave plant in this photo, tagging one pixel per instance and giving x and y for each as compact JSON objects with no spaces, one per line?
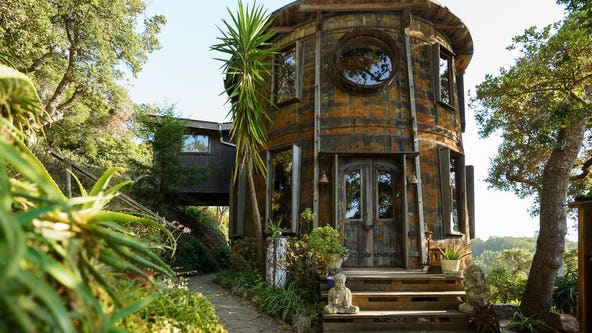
{"x":54,"y":249}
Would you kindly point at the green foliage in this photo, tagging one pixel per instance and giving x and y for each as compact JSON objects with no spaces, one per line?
{"x":565,"y":293}
{"x":175,"y":310}
{"x":243,"y":255}
{"x":524,"y":324}
{"x":283,"y":303}
{"x":453,"y":250}
{"x":164,"y":131}
{"x":485,"y":252}
{"x":301,"y":264}
{"x":77,"y":50}
{"x":508,"y":275}
{"x":19,"y":102}
{"x":325,"y":240}
{"x":193,"y":256}
{"x":55,"y":249}
{"x":247,"y":42}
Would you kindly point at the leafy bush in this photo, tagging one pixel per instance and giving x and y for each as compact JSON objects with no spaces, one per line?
{"x":176,"y":310}
{"x":59,"y":255}
{"x":300,"y":264}
{"x":54,"y":248}
{"x":565,"y":293}
{"x":243,"y":255}
{"x":282,"y":303}
{"x":508,"y":275}
{"x":192,"y":255}
{"x":522,"y":323}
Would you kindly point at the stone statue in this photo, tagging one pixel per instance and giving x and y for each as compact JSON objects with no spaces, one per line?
{"x":476,"y":288}
{"x":339,"y":298}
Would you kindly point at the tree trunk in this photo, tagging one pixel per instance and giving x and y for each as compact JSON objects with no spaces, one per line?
{"x":256,"y":217}
{"x":537,"y":297}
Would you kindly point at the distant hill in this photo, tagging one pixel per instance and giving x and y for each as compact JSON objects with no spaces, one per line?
{"x":498,"y":244}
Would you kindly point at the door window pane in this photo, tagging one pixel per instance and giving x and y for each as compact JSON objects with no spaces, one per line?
{"x":353,"y":195}
{"x":385,"y":194}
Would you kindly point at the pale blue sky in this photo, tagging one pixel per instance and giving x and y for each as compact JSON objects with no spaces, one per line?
{"x":184,"y":73}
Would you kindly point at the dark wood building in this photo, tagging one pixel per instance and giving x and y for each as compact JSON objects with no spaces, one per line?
{"x":367,"y":128}
{"x":206,"y":147}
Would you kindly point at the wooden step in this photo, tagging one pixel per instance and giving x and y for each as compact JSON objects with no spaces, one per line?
{"x":400,"y":321}
{"x":406,"y":300}
{"x":399,"y":282}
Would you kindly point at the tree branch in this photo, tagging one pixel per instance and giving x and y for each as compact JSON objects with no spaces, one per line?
{"x":39,"y":62}
{"x":585,"y":171}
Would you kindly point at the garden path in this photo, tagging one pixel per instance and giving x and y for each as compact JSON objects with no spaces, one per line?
{"x":237,"y":315}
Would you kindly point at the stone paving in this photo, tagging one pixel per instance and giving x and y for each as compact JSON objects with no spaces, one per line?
{"x":237,"y":315}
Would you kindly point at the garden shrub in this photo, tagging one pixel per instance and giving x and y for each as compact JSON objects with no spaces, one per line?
{"x":193,"y":256}
{"x":565,"y":292}
{"x":177,"y":309}
{"x":243,"y":255}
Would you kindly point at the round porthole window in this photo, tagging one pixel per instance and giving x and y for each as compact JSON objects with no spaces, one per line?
{"x":365,"y":61}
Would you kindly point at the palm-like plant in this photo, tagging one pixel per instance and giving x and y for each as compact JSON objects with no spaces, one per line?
{"x":54,"y":249}
{"x":246,"y":41}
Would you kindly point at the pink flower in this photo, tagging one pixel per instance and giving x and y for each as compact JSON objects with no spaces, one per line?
{"x":186,"y":230}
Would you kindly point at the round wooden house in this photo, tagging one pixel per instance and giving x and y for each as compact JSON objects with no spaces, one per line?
{"x":367,"y":127}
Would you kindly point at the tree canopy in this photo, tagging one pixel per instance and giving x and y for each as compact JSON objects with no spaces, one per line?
{"x":541,"y":109}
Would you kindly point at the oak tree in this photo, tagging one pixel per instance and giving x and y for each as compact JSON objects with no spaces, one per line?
{"x":541,"y":109}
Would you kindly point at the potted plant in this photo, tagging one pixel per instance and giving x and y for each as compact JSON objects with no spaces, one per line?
{"x":452,"y":252}
{"x":327,"y":246}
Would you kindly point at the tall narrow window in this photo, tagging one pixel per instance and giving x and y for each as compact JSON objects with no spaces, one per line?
{"x":286,"y":76}
{"x":452,"y":183}
{"x":445,"y":79}
{"x":283,"y":184}
{"x":281,"y":189}
{"x":194,"y":143}
{"x":443,"y":63}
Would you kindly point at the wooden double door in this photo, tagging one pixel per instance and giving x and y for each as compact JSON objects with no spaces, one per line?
{"x":370,"y":206}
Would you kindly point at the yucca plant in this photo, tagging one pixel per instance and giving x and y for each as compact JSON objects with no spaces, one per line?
{"x":54,"y":250}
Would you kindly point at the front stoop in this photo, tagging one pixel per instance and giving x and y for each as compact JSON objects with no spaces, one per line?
{"x":401,"y":301}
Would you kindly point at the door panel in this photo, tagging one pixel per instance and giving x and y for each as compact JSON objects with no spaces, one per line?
{"x":370,"y":212}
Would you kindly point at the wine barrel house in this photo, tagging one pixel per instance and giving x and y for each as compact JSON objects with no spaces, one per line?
{"x":367,"y":127}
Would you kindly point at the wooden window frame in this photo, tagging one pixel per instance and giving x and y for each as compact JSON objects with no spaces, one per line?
{"x":298,"y":75}
{"x":295,"y":187}
{"x":445,"y":158}
{"x":209,"y":145}
{"x":440,"y":52}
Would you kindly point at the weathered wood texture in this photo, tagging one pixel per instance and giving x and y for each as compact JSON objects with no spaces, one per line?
{"x":402,"y":301}
{"x":217,"y":166}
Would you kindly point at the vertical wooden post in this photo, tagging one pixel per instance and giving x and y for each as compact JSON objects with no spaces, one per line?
{"x":584,"y":206}
{"x":317,"y":119}
{"x":413,"y":109}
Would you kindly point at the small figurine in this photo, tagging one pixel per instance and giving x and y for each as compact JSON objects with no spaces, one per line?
{"x":339,"y":298}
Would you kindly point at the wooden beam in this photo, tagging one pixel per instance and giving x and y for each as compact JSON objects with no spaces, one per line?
{"x":282,"y":29}
{"x":450,"y":26}
{"x":367,"y":7}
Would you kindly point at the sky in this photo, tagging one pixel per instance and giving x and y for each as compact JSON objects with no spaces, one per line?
{"x":185,"y":73}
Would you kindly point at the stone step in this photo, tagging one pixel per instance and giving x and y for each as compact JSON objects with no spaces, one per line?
{"x":400,"y":321}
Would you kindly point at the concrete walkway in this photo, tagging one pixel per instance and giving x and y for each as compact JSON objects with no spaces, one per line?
{"x":237,"y":315}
